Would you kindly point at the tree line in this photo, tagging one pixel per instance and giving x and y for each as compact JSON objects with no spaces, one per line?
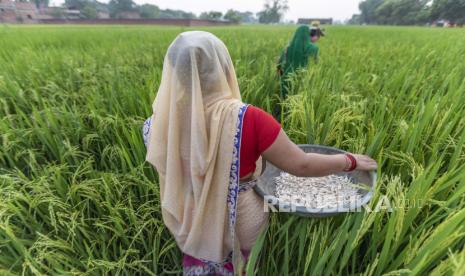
{"x":409,"y":12}
{"x":273,"y":11}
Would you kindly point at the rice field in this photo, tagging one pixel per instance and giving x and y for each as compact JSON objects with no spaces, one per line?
{"x":77,"y":198}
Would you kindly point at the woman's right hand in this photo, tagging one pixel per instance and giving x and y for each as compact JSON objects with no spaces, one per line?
{"x":365,"y":163}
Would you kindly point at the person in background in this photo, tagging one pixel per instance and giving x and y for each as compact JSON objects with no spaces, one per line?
{"x":301,"y":49}
{"x":205,"y":144}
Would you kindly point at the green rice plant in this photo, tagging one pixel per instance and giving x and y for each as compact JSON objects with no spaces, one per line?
{"x":77,"y":197}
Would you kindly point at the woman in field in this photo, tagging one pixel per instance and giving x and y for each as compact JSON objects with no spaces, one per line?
{"x":297,"y":55}
{"x":204,"y":143}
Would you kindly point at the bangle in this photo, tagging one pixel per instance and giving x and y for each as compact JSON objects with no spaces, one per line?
{"x":353,"y":162}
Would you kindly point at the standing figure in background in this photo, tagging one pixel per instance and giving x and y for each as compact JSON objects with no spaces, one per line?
{"x":297,"y":55}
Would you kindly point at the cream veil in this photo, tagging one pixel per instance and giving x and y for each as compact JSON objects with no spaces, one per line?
{"x":191,"y":143}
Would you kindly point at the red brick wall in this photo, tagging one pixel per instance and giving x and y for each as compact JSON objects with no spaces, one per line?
{"x":27,"y":16}
{"x":17,"y":12}
{"x":8,"y":16}
{"x":176,"y":22}
{"x":201,"y":22}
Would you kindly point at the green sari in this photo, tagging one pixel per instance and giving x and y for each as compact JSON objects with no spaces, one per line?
{"x":296,"y":56}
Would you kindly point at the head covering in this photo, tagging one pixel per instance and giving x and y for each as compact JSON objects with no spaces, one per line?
{"x":296,"y":55}
{"x":191,"y":143}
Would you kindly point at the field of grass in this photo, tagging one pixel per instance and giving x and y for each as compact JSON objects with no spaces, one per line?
{"x":76,"y":196}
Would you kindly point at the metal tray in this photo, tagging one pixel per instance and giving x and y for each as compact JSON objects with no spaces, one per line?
{"x":266,"y":187}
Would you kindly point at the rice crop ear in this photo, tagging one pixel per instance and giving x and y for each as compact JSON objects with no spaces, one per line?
{"x":441,"y":238}
{"x":77,"y":197}
{"x":454,"y":264}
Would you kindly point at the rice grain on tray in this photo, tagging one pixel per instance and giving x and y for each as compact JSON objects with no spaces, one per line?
{"x":317,"y":192}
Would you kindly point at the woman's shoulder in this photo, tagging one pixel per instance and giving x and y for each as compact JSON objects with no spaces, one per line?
{"x":261,"y":125}
{"x":252,"y":109}
{"x":260,"y":116}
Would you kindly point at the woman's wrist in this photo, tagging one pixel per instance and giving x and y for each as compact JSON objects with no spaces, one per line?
{"x":351,"y":162}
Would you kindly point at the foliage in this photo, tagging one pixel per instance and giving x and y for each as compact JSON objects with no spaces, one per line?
{"x":368,"y":10}
{"x":41,"y":3}
{"x":149,"y":11}
{"x":211,"y":15}
{"x":78,"y":198}
{"x":168,"y":13}
{"x":153,"y":11}
{"x":453,"y":10}
{"x":402,"y":12}
{"x":356,"y":19}
{"x":233,"y":16}
{"x":410,"y":12}
{"x":57,"y":13}
{"x":76,"y":4}
{"x":273,"y":11}
{"x":90,"y":8}
{"x":237,"y":16}
{"x":89,"y":11}
{"x":248,"y":17}
{"x":118,"y":6}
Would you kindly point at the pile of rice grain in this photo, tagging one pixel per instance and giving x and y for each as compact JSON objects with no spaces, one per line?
{"x":317,"y":192}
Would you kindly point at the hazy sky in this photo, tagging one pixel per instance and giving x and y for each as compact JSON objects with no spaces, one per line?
{"x":337,"y":9}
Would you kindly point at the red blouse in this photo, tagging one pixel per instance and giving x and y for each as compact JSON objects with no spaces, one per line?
{"x":259,"y":131}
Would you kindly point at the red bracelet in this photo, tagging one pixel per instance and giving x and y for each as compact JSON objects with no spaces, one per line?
{"x":353,"y":162}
